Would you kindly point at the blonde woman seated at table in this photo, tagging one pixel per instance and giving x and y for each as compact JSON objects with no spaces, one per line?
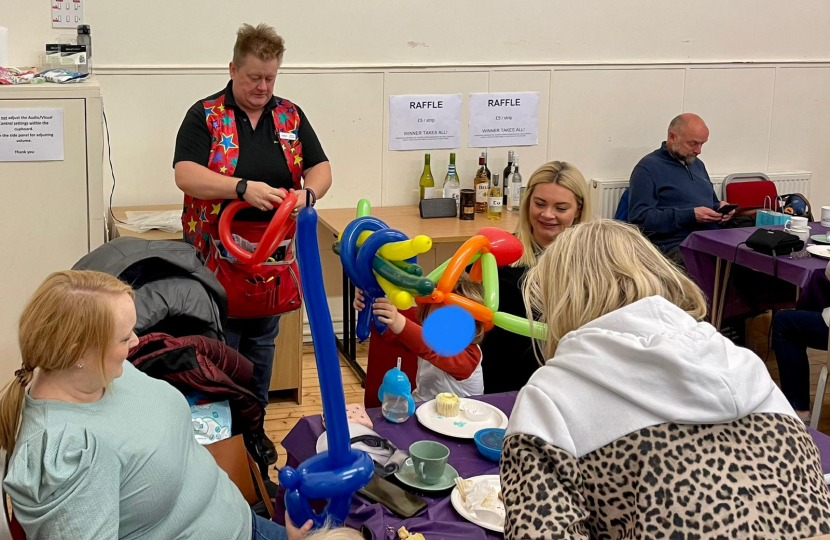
{"x":104,"y":451}
{"x":646,"y":422}
{"x":556,"y":199}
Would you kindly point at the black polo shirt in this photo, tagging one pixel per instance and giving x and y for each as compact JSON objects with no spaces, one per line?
{"x":261,"y":158}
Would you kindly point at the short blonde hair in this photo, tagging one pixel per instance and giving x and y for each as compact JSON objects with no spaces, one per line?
{"x":70,"y":314}
{"x":468,"y":289}
{"x":597,"y":267}
{"x":563,"y":174}
{"x":261,"y":41}
{"x":338,"y":533}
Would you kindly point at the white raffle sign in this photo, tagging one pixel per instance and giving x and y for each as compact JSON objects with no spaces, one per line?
{"x":504,"y":119}
{"x":424,"y":122}
{"x":31,"y":134}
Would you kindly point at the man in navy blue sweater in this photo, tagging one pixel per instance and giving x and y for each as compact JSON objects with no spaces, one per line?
{"x":670,"y":194}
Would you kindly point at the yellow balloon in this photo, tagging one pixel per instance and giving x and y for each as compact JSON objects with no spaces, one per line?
{"x":406,"y":249}
{"x":360,"y":239}
{"x":399,"y":297}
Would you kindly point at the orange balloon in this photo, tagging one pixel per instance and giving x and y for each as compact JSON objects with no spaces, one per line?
{"x":478,"y":311}
{"x":459,"y":261}
{"x":436,"y":297}
{"x":476,"y":274}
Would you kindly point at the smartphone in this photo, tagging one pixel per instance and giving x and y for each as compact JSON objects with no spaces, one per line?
{"x":401,"y":503}
{"x":726,"y":208}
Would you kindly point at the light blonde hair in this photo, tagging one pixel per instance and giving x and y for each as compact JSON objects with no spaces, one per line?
{"x":560,"y":173}
{"x":468,"y":289}
{"x":338,"y":533}
{"x":261,"y":41}
{"x":595,"y":268}
{"x":68,"y":316}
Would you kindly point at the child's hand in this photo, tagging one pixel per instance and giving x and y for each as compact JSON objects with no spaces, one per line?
{"x":293,"y":532}
{"x":389,"y":314}
{"x":359,"y":301}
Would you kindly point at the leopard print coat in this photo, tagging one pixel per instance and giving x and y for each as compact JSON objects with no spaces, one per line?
{"x":759,"y":477}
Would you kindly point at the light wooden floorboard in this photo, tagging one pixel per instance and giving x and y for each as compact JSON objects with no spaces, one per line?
{"x":282,"y":415}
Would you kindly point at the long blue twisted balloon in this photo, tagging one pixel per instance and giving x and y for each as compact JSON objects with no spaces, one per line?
{"x":336,"y":474}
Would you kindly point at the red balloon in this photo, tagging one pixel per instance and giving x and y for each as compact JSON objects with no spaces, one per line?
{"x":505,"y":247}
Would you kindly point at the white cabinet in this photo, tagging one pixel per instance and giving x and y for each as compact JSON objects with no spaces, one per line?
{"x":51,"y":212}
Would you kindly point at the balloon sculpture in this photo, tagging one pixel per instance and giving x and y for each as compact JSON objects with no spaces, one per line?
{"x":377,"y":260}
{"x":380,"y":261}
{"x":336,"y":474}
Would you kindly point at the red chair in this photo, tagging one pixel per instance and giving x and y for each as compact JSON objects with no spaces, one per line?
{"x":383,"y":356}
{"x":749,"y":191}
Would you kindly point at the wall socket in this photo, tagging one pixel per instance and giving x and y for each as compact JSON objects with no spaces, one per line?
{"x":67,"y":13}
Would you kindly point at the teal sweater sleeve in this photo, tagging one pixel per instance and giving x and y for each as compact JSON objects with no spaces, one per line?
{"x":64,"y":483}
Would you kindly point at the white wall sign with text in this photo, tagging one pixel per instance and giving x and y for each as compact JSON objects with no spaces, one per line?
{"x":504,"y":119}
{"x":31,"y":134}
{"x":424,"y":122}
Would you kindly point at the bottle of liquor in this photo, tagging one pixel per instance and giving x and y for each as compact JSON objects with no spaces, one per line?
{"x":515,"y":186}
{"x":486,"y":168}
{"x":452,"y":187}
{"x":427,"y":182}
{"x":482,"y":186}
{"x":494,"y":199}
{"x":505,"y":188}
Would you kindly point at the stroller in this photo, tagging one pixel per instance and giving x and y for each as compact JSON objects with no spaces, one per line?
{"x":180,"y":311}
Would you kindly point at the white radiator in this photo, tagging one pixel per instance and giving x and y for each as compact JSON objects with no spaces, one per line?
{"x":605,"y":193}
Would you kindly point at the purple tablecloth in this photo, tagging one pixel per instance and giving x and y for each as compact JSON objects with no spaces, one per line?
{"x":702,"y":249}
{"x":440,"y":518}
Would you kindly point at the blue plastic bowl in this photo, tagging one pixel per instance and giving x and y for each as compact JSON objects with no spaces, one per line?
{"x":489,"y":442}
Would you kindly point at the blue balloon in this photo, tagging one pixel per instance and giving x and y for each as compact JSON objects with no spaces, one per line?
{"x":336,"y":474}
{"x":449,"y":330}
{"x":371,"y":289}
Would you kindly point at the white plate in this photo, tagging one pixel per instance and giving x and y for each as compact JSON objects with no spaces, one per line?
{"x":455,"y":499}
{"x":460,"y":426}
{"x":820,"y":251}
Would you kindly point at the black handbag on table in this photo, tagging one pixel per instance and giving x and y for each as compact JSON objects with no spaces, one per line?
{"x":774,"y":242}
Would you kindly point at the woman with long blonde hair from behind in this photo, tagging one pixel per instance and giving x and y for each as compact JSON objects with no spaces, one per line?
{"x":99,"y":449}
{"x":556,"y":198}
{"x":645,"y":421}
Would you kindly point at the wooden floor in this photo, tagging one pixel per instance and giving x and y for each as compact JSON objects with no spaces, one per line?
{"x":282,"y":415}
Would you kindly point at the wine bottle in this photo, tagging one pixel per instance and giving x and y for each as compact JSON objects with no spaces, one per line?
{"x":494,"y":199}
{"x":482,"y":186}
{"x":452,"y":187}
{"x":427,"y":183}
{"x":515,"y":187}
{"x":505,"y":188}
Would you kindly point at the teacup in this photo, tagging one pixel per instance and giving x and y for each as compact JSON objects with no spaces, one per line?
{"x":825,"y":216}
{"x":797,"y":222}
{"x":429,"y":459}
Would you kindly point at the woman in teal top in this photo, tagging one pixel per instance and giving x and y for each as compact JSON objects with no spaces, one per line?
{"x":103,"y":450}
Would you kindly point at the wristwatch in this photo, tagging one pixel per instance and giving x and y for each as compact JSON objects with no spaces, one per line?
{"x":241,"y":188}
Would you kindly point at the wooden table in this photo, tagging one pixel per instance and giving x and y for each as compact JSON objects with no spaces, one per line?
{"x":289,"y":342}
{"x":445,"y":234}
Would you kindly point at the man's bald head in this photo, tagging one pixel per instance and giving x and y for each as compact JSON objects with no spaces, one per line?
{"x":686,"y":137}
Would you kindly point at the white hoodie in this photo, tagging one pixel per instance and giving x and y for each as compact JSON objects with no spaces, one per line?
{"x":642,"y":365}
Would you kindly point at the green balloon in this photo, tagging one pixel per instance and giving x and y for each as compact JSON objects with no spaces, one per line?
{"x":490,"y":278}
{"x":518,"y":325}
{"x":421,"y":286}
{"x":364,"y":208}
{"x":409,"y":268}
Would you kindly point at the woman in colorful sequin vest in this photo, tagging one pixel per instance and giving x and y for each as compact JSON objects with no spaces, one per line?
{"x":245,"y":143}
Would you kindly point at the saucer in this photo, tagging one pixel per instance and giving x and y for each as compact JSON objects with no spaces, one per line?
{"x":820,"y":239}
{"x":408,"y":476}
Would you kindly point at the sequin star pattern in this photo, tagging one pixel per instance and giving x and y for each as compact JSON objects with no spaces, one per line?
{"x":227,"y":142}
